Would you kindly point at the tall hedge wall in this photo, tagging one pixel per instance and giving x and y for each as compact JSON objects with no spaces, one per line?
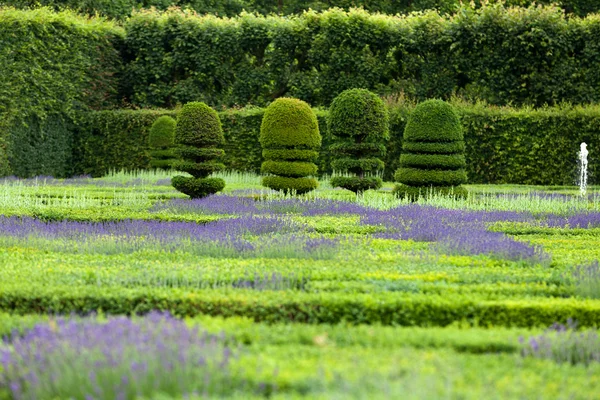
{"x":120,"y":9}
{"x":502,"y":55}
{"x":504,"y":145}
{"x":51,"y":65}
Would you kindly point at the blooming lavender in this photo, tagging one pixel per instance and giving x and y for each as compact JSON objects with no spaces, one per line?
{"x":239,"y":205}
{"x":455,"y":231}
{"x":279,"y":237}
{"x":120,"y":358}
{"x":563,"y":344}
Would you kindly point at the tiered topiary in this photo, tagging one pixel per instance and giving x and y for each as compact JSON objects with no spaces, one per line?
{"x":290,"y":138}
{"x":433,"y":152}
{"x":197,"y":135}
{"x":161,"y":140}
{"x":359,"y":124}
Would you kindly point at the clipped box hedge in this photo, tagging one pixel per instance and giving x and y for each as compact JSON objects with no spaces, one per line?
{"x":503,"y":145}
{"x":272,"y":307}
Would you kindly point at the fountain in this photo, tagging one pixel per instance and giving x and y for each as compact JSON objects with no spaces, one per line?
{"x":583,"y":160}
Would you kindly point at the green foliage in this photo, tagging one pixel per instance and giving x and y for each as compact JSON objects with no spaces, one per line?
{"x":198,"y":126}
{"x":433,"y":161}
{"x":289,"y":168}
{"x":433,"y":121}
{"x":161,"y":139}
{"x":289,"y":124}
{"x":53,"y":64}
{"x":162,"y":133}
{"x":292,"y":155}
{"x":121,"y":9}
{"x":437,"y":122}
{"x":360,"y":115}
{"x":289,"y":130}
{"x":197,"y":187}
{"x":358,"y":122}
{"x":41,"y":147}
{"x":290,"y":184}
{"x":357,"y":184}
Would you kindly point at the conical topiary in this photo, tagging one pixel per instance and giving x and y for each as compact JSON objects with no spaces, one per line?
{"x":290,"y":138}
{"x":161,"y":139}
{"x":197,"y":135}
{"x":359,"y":124}
{"x":433,"y":152}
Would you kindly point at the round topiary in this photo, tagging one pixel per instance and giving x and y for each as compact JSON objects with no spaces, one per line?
{"x":433,"y":159}
{"x":290,"y":138}
{"x":359,"y":124}
{"x":197,"y":135}
{"x":161,"y":139}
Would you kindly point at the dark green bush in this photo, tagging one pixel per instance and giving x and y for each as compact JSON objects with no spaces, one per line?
{"x":359,"y":125}
{"x":198,"y":126}
{"x":289,"y":129}
{"x":161,"y":140}
{"x":432,"y":122}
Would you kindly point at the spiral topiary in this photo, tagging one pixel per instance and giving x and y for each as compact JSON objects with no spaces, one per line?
{"x":161,"y":139}
{"x":433,"y":153}
{"x":197,"y":135}
{"x":359,"y":124}
{"x":290,"y":138}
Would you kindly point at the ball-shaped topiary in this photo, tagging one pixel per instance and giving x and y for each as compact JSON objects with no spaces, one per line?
{"x":161,"y":139}
{"x":290,"y":138}
{"x":433,"y":152}
{"x":359,"y":124}
{"x":197,"y":135}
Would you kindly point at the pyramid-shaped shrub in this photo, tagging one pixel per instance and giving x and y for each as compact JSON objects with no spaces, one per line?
{"x":359,"y":124}
{"x":433,"y":152}
{"x":198,"y":135}
{"x":161,"y":140}
{"x":290,"y":138}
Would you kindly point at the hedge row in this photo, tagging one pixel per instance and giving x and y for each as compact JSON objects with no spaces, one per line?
{"x":55,"y":63}
{"x":52,"y":66}
{"x":388,"y":309}
{"x":120,"y":9}
{"x":539,"y":56}
{"x":503,"y":145}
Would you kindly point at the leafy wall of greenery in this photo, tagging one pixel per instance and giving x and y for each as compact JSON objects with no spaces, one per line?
{"x":503,"y":145}
{"x":121,"y":9}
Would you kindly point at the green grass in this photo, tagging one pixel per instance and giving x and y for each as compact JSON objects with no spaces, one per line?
{"x":376,"y":318}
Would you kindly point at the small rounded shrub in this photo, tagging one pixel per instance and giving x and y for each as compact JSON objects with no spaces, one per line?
{"x":433,"y":159}
{"x":161,"y":139}
{"x":359,"y":124}
{"x":290,"y":138}
{"x":197,"y":135}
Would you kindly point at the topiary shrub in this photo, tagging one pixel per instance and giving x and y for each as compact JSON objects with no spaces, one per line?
{"x":161,"y":139}
{"x":433,"y":153}
{"x":359,"y":124}
{"x":197,"y":134}
{"x":290,"y":138}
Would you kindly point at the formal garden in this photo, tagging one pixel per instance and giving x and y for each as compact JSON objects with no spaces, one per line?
{"x":285,"y":199}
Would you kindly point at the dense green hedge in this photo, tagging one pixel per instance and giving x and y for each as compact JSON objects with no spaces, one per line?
{"x":122,"y":8}
{"x":539,"y":56}
{"x":51,"y":66}
{"x":503,"y":145}
{"x":278,"y":306}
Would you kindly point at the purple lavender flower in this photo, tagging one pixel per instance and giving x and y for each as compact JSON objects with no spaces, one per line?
{"x":88,"y":358}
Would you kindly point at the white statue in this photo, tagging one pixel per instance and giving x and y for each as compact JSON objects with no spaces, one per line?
{"x":583,"y":159}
